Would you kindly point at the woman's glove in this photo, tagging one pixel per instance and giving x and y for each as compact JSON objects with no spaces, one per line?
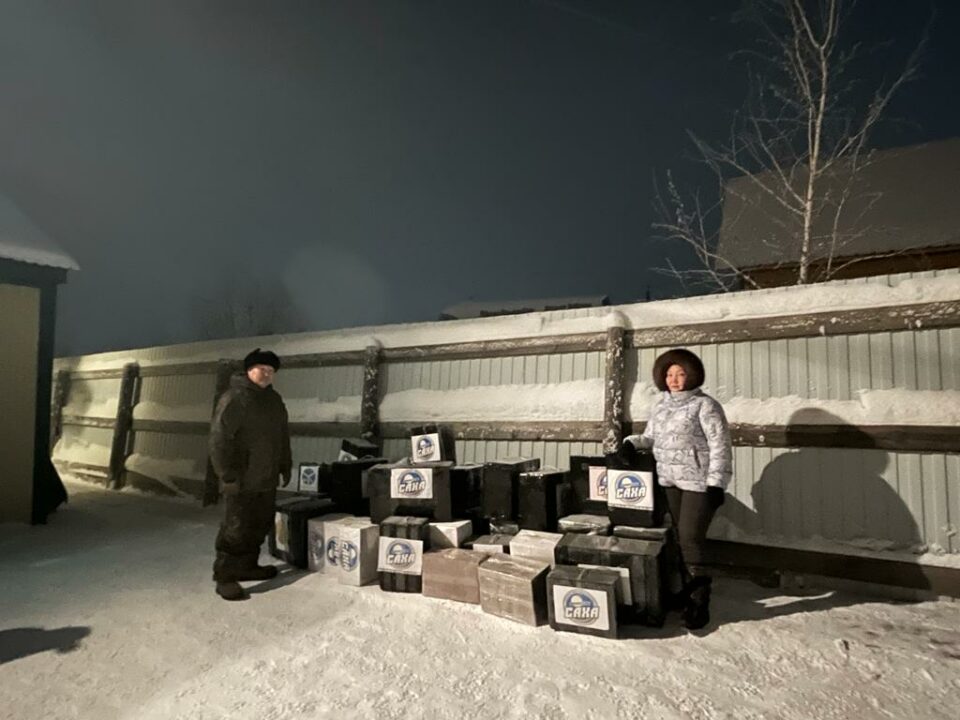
{"x":627,"y":453}
{"x":715,"y":496}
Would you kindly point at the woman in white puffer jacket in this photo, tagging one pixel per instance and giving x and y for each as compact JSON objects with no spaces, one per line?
{"x":688,"y":433}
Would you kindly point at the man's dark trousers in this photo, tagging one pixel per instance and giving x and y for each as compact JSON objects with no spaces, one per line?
{"x":246,"y":522}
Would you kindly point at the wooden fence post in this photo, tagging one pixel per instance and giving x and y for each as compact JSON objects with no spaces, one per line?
{"x":211,"y":484}
{"x":370,"y":394}
{"x":120,"y":447}
{"x":61,"y":392}
{"x":613,"y":390}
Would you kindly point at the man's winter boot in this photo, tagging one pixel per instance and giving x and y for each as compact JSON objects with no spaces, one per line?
{"x":259,"y":572}
{"x":697,"y":612}
{"x":231,"y":591}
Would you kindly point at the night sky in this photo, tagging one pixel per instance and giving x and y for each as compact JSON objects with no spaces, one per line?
{"x":377,"y":161}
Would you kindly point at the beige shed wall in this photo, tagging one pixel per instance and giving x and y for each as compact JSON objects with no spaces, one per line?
{"x":19,"y":330}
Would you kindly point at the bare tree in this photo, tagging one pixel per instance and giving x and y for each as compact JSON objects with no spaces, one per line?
{"x":795,"y":153}
{"x":240,"y":305}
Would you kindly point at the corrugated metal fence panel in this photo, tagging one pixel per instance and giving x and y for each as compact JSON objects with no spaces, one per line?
{"x":551,"y":453}
{"x":178,"y":392}
{"x":87,"y":445}
{"x":324,"y":384}
{"x":181,"y":449}
{"x":483,"y":372}
{"x":873,"y":498}
{"x":314,"y":449}
{"x":93,"y":398}
{"x":822,"y":368}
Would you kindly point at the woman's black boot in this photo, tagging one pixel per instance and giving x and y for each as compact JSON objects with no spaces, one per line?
{"x":696,"y":614}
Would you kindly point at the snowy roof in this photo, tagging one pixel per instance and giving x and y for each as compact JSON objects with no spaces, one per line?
{"x":23,"y":241}
{"x":464,"y":310}
{"x":905,"y":199}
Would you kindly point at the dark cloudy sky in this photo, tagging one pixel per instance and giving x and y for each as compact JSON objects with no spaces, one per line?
{"x":376,"y":161}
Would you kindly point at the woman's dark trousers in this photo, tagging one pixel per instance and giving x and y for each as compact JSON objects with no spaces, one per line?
{"x":692,"y":513}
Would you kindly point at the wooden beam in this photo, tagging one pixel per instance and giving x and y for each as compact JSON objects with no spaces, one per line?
{"x":182,"y":427}
{"x":512,"y":347}
{"x":110,"y":374}
{"x":370,"y":394}
{"x":315,"y":360}
{"x":725,"y":554}
{"x":97,"y":472}
{"x":198,"y":368}
{"x":61,"y":391}
{"x":613,"y":384}
{"x":903,"y":438}
{"x":589,"y":431}
{"x":324,"y":429}
{"x":84,"y":421}
{"x":120,"y":447}
{"x":840,"y":322}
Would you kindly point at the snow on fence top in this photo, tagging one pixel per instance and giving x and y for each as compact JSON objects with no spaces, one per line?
{"x":748,"y":305}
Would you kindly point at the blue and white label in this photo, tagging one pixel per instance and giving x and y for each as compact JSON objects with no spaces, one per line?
{"x":309,"y":477}
{"x":411,"y":483}
{"x":349,"y":556}
{"x":398,"y":555}
{"x":598,"y":483}
{"x":333,"y":552}
{"x":631,"y":489}
{"x":425,"y":448}
{"x":580,"y":607}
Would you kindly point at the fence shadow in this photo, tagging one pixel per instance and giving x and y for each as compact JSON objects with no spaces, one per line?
{"x":17,"y":643}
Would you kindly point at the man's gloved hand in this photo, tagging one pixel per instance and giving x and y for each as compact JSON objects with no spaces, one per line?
{"x":229,"y":488}
{"x":715,"y":495}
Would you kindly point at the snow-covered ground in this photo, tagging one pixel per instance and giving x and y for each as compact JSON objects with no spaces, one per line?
{"x":124,"y":579}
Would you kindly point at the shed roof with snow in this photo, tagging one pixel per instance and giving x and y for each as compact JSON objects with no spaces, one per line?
{"x":904,"y":200}
{"x":22,"y":241}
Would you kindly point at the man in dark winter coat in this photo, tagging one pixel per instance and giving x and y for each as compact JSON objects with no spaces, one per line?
{"x":250,"y":450}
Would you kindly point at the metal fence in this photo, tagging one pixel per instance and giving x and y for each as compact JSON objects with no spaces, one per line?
{"x":808,"y":480}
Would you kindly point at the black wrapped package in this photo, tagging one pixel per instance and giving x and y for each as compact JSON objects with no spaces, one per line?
{"x":432,"y":443}
{"x":358,"y":449}
{"x":288,"y":537}
{"x":501,"y":485}
{"x":583,"y":600}
{"x":346,"y":487}
{"x":642,"y":581}
{"x":403,"y":541}
{"x":588,"y":478}
{"x":633,"y":495}
{"x":417,"y":490}
{"x":542,"y":499}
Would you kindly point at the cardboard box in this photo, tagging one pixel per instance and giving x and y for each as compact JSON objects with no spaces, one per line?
{"x":452,"y":574}
{"x":450,"y":534}
{"x":514,"y":588}
{"x":536,"y":545}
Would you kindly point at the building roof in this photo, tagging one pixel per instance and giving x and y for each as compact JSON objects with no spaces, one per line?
{"x":22,"y":241}
{"x":464,"y":310}
{"x":907,"y":198}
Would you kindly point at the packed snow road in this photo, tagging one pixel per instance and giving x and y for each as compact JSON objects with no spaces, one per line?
{"x":109,"y":612}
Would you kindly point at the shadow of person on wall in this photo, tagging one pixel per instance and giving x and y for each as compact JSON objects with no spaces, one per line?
{"x":811,"y":498}
{"x":834,"y":494}
{"x":21,"y":642}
